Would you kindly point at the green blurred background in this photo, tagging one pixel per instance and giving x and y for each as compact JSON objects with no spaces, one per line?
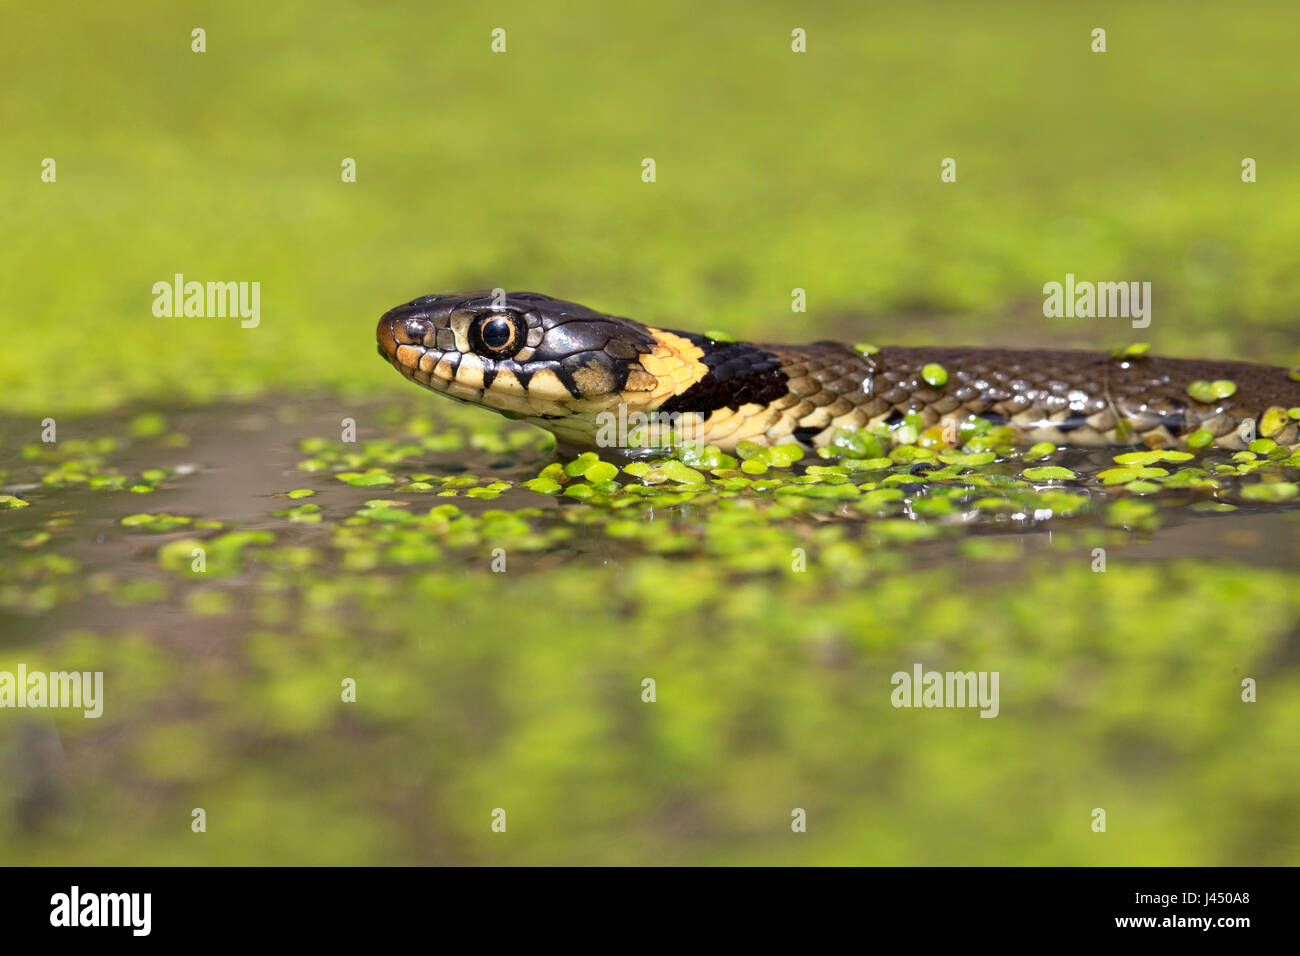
{"x":523,"y":170}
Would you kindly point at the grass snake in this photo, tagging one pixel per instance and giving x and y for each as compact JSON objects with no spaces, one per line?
{"x":595,"y":379}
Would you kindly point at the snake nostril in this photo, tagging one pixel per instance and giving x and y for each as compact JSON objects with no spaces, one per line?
{"x":416,"y":329}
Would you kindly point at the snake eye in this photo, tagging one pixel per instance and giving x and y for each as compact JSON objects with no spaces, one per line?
{"x":498,"y":334}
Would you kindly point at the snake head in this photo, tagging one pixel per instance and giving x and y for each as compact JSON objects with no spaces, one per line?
{"x":524,"y":354}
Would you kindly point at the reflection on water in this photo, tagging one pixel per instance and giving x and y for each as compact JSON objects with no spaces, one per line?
{"x":499,"y":641}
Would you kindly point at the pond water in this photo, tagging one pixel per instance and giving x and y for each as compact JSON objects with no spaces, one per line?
{"x":438,"y":644}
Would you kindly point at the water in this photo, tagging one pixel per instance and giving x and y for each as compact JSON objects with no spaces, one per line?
{"x":499,"y":654}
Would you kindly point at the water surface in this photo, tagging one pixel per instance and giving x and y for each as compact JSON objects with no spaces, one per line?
{"x":500,"y":639}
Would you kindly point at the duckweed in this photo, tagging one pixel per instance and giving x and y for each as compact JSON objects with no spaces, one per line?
{"x":1211,"y":392}
{"x":677,"y":471}
{"x":1137,"y":350}
{"x":1049,"y":473}
{"x":306,"y":514}
{"x":370,"y":478}
{"x":156,"y":522}
{"x":1273,"y":421}
{"x":866,"y":519}
{"x":1270,"y":491}
{"x":935,"y":375}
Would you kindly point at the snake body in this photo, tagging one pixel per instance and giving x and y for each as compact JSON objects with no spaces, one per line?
{"x":599,"y":381}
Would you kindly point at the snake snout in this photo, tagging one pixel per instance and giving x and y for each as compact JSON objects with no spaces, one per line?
{"x":409,"y":324}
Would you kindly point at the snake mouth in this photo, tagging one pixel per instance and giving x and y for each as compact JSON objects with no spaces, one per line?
{"x":408,"y":336}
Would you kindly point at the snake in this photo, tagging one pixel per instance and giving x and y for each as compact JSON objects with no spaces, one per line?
{"x":601,"y":381}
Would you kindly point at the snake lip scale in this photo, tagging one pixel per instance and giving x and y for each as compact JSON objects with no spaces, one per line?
{"x":572,"y":370}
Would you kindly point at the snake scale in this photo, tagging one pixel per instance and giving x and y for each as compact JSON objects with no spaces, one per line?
{"x":592,"y":379}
